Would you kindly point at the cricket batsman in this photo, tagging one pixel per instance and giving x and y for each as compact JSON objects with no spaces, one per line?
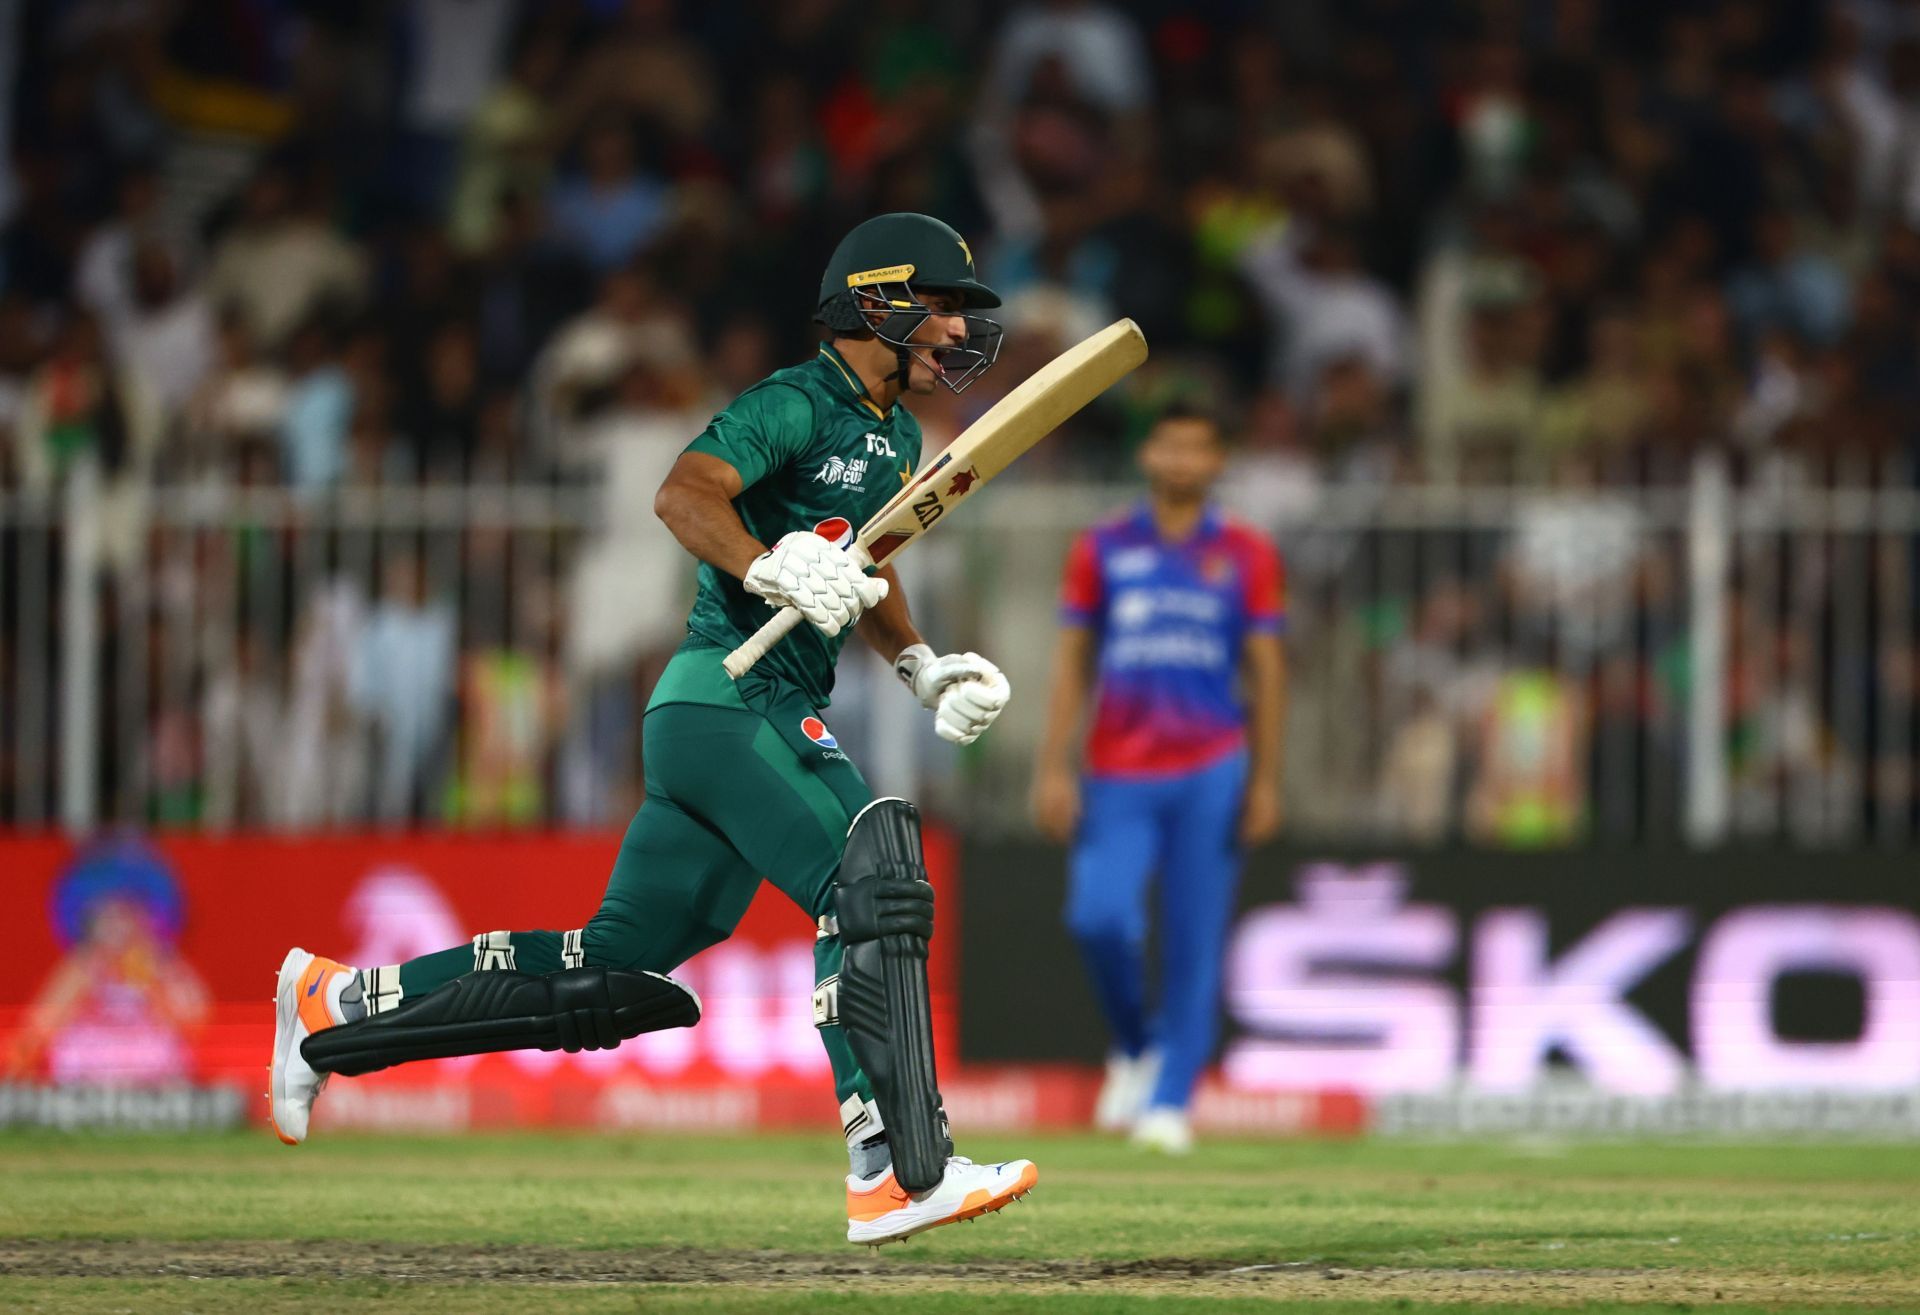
{"x":1168,"y":613}
{"x":744,"y":780}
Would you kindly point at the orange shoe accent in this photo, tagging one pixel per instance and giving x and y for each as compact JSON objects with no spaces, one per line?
{"x":311,"y":993}
{"x":883,"y":1197}
{"x":887,"y":1196}
{"x":984,"y":1202}
{"x":274,"y":1119}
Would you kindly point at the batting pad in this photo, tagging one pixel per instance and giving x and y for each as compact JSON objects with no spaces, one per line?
{"x":572,"y":1010}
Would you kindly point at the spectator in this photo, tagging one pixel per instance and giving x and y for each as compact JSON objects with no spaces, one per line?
{"x":1572,"y":562}
{"x":282,"y":261}
{"x":402,"y":682}
{"x":76,"y":407}
{"x":1097,"y":52}
{"x":1324,"y":307}
{"x":503,"y":154}
{"x":164,"y":338}
{"x":514,"y":704}
{"x":19,"y":351}
{"x":630,"y":319}
{"x":241,"y":399}
{"x":1417,"y":778}
{"x":441,"y":419}
{"x":526,"y":288}
{"x":644,"y":65}
{"x":242,"y":739}
{"x":457,"y":48}
{"x":1800,"y":291}
{"x":104,"y":276}
{"x":1484,"y":424}
{"x":1601,"y":410}
{"x":788,"y":175}
{"x":319,"y":409}
{"x":1273,"y":478}
{"x":324,"y":755}
{"x":1529,"y":788}
{"x":1493,"y":119}
{"x":608,"y":211}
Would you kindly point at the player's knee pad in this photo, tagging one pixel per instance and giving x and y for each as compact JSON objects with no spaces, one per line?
{"x":884,"y":906}
{"x":500,"y":1009}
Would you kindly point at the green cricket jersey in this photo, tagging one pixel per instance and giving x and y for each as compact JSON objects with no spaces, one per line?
{"x":814,"y":453}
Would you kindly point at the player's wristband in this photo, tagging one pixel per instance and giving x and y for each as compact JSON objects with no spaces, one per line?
{"x":907,"y":665}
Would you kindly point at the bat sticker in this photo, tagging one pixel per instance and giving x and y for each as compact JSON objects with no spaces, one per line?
{"x":887,"y":545}
{"x":927,"y":510}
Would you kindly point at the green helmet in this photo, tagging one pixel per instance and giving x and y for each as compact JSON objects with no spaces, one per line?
{"x":870,"y":281}
{"x":904,"y":248}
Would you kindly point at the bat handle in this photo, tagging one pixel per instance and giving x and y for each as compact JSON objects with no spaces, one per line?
{"x":739,"y":662}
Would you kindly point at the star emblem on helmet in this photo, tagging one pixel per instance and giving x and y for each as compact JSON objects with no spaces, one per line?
{"x":965,"y":250}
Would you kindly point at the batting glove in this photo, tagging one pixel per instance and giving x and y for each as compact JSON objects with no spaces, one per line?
{"x":964,"y":690}
{"x":827,"y":584}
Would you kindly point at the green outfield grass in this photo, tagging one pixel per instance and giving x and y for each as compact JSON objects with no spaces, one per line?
{"x":587,"y":1224}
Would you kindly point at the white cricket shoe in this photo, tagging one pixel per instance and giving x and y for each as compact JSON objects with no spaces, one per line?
{"x":300,"y":1008}
{"x":879,"y":1210}
{"x":1164,"y":1129}
{"x":1124,"y":1094}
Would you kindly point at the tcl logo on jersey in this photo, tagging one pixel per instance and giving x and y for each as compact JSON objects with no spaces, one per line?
{"x":836,"y":530}
{"x":816,"y":730}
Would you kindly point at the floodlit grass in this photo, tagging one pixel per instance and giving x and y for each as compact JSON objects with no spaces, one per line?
{"x":586,"y":1223}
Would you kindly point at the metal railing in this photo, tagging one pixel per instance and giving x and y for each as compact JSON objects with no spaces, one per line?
{"x":1705,"y":662}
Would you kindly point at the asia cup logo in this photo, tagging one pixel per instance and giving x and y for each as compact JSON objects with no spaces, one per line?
{"x":816,"y":730}
{"x":836,"y":530}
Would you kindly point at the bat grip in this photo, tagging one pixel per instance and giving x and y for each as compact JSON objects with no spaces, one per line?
{"x":739,"y":662}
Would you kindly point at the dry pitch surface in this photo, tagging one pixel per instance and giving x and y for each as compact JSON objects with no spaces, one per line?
{"x":587,"y":1224}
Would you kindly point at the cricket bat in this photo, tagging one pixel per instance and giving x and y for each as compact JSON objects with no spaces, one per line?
{"x":988,"y":446}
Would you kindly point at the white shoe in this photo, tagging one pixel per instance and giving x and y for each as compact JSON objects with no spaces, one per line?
{"x":1164,"y":1129}
{"x":879,"y":1210}
{"x":1124,"y":1094}
{"x":300,"y":1008}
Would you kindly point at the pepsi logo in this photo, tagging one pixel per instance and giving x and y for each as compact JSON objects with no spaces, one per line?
{"x":836,"y":530}
{"x":816,"y":730}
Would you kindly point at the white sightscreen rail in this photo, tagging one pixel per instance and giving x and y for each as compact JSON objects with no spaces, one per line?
{"x":1707,"y":551}
{"x":1735,"y":663}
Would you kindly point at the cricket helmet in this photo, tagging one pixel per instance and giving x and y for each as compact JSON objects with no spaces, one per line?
{"x":869,"y":284}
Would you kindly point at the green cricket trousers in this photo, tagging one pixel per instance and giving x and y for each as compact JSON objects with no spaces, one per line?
{"x":743,"y":784}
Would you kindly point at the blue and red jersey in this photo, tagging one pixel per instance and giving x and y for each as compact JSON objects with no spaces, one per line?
{"x":1170,"y":620}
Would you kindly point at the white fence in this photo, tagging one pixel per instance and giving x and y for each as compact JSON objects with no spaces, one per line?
{"x":1519,"y":667}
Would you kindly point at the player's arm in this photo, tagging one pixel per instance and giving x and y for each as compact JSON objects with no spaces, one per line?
{"x":964,"y":691}
{"x":1056,"y":787}
{"x":695,"y":501}
{"x":1264,"y":667}
{"x":887,"y":627}
{"x":803,"y":570}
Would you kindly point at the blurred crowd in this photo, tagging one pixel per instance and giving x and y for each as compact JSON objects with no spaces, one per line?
{"x":348,"y":245}
{"x":332,"y":243}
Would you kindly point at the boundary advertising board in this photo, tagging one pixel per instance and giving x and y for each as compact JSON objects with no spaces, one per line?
{"x":1422,"y":981}
{"x":144,"y":968}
